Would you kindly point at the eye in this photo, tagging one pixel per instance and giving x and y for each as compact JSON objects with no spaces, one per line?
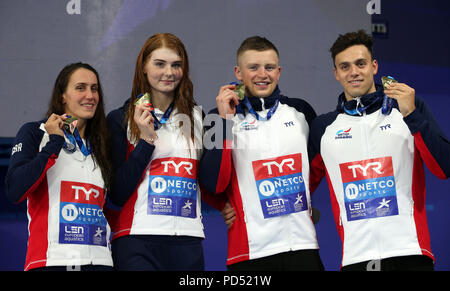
{"x":270,"y":68}
{"x":94,"y":88}
{"x":160,"y":64}
{"x":361,"y":64}
{"x":344,"y":67}
{"x":176,"y":65}
{"x":80,"y":87}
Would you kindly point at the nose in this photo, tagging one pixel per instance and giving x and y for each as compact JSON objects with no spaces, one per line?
{"x":89,"y":93}
{"x":168,"y":71}
{"x":261,"y":72}
{"x":354,"y":70}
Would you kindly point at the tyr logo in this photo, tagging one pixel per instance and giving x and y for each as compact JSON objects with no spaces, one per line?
{"x":376,"y":167}
{"x":76,"y":192}
{"x":288,"y":162}
{"x":187,"y":166}
{"x":367,"y":169}
{"x":86,"y":192}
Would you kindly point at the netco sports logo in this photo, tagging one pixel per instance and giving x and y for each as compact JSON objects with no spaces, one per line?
{"x":369,"y":188}
{"x":173,"y":187}
{"x":280,"y":185}
{"x":81,"y":215}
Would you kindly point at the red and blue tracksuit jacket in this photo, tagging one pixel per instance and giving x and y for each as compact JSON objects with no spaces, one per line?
{"x":374,"y":165}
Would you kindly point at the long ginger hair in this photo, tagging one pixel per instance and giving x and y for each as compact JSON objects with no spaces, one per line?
{"x":183,"y":98}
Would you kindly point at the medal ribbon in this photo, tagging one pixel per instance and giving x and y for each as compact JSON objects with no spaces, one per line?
{"x":385,"y":109}
{"x":159,"y":122}
{"x":254,"y":113}
{"x":75,"y":139}
{"x":387,"y":105}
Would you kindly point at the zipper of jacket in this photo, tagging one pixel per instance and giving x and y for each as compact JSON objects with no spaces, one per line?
{"x":86,"y":173}
{"x":175,"y":225}
{"x":374,"y":231}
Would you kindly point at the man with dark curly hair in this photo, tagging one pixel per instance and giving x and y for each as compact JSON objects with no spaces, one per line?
{"x":372,"y":149}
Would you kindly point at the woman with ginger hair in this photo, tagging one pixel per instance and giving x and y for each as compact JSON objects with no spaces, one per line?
{"x":156,"y":146}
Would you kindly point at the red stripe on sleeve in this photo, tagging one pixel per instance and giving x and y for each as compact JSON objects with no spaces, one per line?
{"x":427,"y":157}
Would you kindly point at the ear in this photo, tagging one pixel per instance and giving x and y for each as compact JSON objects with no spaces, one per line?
{"x":237,"y":73}
{"x":335,"y":74}
{"x":63,"y":99}
{"x":375,"y":67}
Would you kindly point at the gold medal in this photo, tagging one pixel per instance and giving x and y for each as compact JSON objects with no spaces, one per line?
{"x":240,"y":91}
{"x":387,"y":81}
{"x":143,"y":99}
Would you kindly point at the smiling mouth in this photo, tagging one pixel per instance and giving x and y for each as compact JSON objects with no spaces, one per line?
{"x":355,"y":82}
{"x":262,"y":83}
{"x":88,"y":105}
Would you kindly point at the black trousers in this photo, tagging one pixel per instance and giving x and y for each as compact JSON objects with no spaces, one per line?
{"x":405,"y":263}
{"x":158,"y":253}
{"x":302,"y":260}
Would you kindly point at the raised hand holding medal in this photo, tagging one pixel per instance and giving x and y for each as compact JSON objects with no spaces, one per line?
{"x":404,"y":94}
{"x":227,"y":100}
{"x":54,"y":124}
{"x":144,"y":118}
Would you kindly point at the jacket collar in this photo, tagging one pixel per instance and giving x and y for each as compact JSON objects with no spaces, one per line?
{"x":257,"y":102}
{"x":367,"y":103}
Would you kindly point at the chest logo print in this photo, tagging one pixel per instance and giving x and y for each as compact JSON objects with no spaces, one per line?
{"x":280,"y":185}
{"x":343,"y":134}
{"x":369,"y":188}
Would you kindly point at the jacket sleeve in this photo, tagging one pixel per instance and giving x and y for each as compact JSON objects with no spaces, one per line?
{"x":429,"y":140}
{"x":129,"y":162}
{"x":28,"y":165}
{"x":317,"y":166}
{"x":302,"y":106}
{"x":216,"y":201}
{"x":215,"y":164}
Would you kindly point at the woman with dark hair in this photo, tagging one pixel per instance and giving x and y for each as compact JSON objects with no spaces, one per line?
{"x":61,"y":166}
{"x":155,"y":153}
